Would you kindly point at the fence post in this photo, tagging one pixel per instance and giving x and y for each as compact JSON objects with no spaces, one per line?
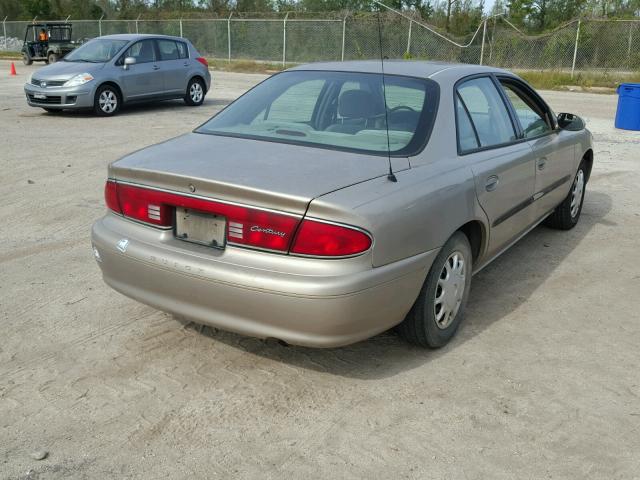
{"x":628,"y":48}
{"x":181,"y":36}
{"x":409,"y":38}
{"x":284,"y":39}
{"x":344,"y":29}
{"x":4,"y":29}
{"x":137,"y":23}
{"x":484,"y":35}
{"x":100,"y":25}
{"x":229,"y":36}
{"x":575,"y":49}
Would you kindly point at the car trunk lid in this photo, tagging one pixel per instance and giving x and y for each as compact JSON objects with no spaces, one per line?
{"x":258,"y":173}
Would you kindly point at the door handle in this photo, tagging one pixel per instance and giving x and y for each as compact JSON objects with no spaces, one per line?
{"x":492,"y":183}
{"x":186,"y":64}
{"x":156,"y":67}
{"x":542,"y":162}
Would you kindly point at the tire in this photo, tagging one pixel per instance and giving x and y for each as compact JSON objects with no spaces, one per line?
{"x":567,"y":214}
{"x":435,"y":316}
{"x":107,"y":101}
{"x":52,"y":58}
{"x":195,"y":93}
{"x":53,"y":111}
{"x":26,"y":59}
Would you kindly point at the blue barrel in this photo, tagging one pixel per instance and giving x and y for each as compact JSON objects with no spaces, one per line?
{"x":628,"y":113}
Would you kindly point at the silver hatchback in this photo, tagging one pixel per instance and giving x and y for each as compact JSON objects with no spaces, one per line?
{"x":109,"y":71}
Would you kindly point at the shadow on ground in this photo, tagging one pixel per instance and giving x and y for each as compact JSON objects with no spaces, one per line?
{"x":496,"y":291}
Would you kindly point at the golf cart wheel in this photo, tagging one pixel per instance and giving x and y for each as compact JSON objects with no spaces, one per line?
{"x":26,"y":59}
{"x":195,"y":92}
{"x":52,"y":58}
{"x":107,"y":101}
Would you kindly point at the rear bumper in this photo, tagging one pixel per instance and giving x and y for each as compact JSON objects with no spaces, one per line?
{"x":311,"y":302}
{"x":60,"y":97}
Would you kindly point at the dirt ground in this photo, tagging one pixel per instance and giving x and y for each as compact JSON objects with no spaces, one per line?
{"x":542,"y":381}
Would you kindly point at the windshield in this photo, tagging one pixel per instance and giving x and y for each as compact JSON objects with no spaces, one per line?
{"x":96,"y":51}
{"x":342,"y":110}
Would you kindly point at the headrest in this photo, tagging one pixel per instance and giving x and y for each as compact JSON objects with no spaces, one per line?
{"x":357,"y":104}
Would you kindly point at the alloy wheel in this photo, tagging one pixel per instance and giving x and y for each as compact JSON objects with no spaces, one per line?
{"x":196,"y":93}
{"x":108,"y":101}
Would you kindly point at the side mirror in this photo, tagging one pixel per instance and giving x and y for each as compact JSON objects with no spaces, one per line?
{"x":129,"y":61}
{"x":570,"y":122}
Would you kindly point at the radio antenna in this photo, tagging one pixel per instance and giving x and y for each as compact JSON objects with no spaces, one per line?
{"x":391,"y":176}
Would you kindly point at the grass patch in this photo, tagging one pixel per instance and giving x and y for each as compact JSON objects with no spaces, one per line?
{"x":560,"y":80}
{"x":246,"y":66}
{"x":10,"y":55}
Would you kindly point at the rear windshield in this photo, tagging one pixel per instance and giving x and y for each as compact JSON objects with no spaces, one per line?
{"x":340,"y":110}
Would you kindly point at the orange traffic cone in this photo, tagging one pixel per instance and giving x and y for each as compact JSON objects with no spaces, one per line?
{"x":13,"y":69}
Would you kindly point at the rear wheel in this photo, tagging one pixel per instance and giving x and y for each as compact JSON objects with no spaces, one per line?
{"x":26,"y":59}
{"x":195,"y":92}
{"x":438,"y":311}
{"x":52,"y":58}
{"x":107,"y":101}
{"x":567,"y":214}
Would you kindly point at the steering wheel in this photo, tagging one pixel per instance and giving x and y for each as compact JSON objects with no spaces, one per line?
{"x":402,"y":107}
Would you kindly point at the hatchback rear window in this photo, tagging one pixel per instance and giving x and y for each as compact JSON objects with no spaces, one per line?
{"x":340,"y":110}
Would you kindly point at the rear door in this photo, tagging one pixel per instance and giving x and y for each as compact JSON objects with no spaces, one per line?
{"x":553,"y":148}
{"x":175,"y":65}
{"x":144,"y":78}
{"x":503,"y":166}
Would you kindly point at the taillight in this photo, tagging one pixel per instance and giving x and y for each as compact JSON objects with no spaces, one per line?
{"x":329,"y":240}
{"x":248,"y":226}
{"x":111,"y":196}
{"x":203,"y":61}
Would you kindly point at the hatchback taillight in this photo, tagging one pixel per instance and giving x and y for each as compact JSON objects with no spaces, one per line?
{"x":329,"y":240}
{"x":203,"y":61}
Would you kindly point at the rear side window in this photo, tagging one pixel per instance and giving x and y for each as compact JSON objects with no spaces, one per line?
{"x":466,"y":134}
{"x":183,"y":52}
{"x":168,"y":50}
{"x":488,"y":112}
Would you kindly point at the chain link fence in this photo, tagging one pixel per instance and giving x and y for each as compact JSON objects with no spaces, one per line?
{"x":584,"y":45}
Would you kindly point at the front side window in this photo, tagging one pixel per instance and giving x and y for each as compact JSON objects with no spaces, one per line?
{"x":487,"y":110}
{"x":529,"y":113}
{"x":168,"y":50}
{"x":342,"y":110}
{"x":143,"y":51}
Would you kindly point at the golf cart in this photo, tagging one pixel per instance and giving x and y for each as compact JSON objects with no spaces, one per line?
{"x":46,"y":42}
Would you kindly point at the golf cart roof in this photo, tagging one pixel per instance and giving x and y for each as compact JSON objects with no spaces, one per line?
{"x":50,"y":24}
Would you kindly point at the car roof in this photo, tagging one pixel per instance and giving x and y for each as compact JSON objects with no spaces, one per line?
{"x":412,"y":68}
{"x":139,"y":36}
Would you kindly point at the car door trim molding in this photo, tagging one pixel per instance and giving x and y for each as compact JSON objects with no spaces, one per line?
{"x":535,"y":197}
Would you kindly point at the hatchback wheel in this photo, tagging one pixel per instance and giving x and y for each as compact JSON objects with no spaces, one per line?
{"x":438,"y":311}
{"x":567,"y":214}
{"x":107,"y":101}
{"x":195,"y":92}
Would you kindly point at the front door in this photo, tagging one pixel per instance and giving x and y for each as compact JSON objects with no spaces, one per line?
{"x":553,"y":148}
{"x":144,"y":78}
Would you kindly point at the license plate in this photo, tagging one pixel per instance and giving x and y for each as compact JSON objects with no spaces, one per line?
{"x":201,"y":228}
{"x":39,"y":96}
